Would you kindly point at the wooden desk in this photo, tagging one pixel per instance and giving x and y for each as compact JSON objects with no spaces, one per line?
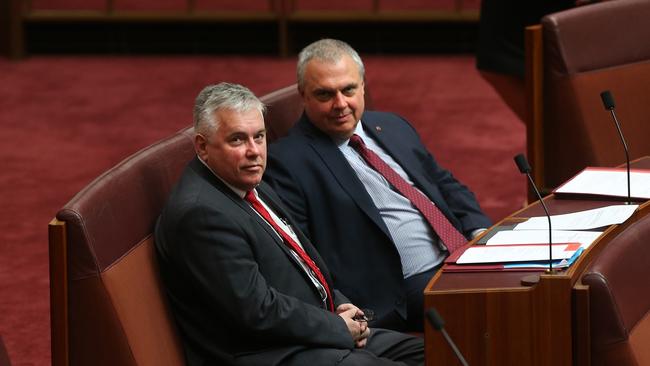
{"x":496,"y":320}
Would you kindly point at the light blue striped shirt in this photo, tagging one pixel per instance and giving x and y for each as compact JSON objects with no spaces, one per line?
{"x":415,"y":240}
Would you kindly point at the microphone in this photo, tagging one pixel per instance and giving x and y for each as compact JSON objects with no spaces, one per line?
{"x":608,"y":102}
{"x":438,"y":323}
{"x":524,"y":168}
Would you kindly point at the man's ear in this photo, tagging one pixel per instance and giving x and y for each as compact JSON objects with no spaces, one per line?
{"x":201,"y":146}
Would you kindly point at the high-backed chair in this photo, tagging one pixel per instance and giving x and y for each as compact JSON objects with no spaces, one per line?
{"x":107,"y":303}
{"x":283,"y":108}
{"x":619,"y":299}
{"x":571,"y":58}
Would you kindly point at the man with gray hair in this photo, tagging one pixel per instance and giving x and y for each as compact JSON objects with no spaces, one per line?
{"x":366,"y":192}
{"x":245,"y":287}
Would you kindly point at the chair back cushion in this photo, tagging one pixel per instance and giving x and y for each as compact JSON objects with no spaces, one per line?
{"x":588,"y":50}
{"x":619,"y":298}
{"x":283,"y":108}
{"x":117,"y":309}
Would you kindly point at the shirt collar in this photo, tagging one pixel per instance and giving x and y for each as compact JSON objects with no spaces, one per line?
{"x":237,"y":191}
{"x":358,"y":130}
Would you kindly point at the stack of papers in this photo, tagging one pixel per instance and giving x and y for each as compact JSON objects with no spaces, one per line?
{"x":526,"y":248}
{"x":610,"y":182}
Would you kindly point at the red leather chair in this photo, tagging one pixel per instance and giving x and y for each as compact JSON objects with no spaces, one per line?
{"x":571,"y":58}
{"x":619,"y":299}
{"x":107,"y":303}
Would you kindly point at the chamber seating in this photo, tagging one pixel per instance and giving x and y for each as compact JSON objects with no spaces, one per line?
{"x":619,"y":299}
{"x":571,"y":58}
{"x":107,"y":302}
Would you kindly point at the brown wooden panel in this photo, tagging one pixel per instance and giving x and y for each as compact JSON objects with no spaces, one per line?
{"x":497,"y":320}
{"x":534,"y":105}
{"x":98,"y":5}
{"x":415,"y":5}
{"x":361,"y":5}
{"x":234,"y":5}
{"x":158,"y":5}
{"x":58,"y":292}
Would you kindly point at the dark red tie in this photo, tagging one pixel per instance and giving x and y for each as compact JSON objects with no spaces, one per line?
{"x":257,"y":205}
{"x":451,"y":237}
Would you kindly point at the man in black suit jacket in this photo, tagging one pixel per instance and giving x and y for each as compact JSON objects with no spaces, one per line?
{"x":240,"y":294}
{"x":379,"y":247}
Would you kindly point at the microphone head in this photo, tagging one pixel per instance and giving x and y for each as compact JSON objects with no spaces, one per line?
{"x":522,"y":164}
{"x":608,"y":100}
{"x":435,"y":319}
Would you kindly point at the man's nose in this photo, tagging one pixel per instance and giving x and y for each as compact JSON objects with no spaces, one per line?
{"x":252,"y":148}
{"x":339,"y":101}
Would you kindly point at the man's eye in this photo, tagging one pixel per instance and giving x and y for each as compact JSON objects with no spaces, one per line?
{"x":348,"y":92}
{"x":259,"y":137}
{"x":322,"y":96}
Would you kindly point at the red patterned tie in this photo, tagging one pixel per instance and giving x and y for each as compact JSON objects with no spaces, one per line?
{"x":257,"y":205}
{"x":451,"y":237}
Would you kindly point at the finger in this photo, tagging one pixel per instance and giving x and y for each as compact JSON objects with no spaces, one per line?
{"x":343,"y":307}
{"x":349,"y":313}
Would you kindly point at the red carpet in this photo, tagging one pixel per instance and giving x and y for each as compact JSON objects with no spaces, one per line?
{"x":64,"y":120}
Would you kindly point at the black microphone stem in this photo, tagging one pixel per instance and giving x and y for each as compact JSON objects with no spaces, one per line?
{"x":550,"y":231}
{"x":627,"y":156}
{"x":453,"y":347}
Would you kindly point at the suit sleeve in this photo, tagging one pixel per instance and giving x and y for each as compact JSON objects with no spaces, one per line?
{"x":461,"y":201}
{"x":217,"y":255}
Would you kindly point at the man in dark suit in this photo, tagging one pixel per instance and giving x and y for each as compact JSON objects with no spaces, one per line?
{"x":244,"y":288}
{"x":379,"y":245}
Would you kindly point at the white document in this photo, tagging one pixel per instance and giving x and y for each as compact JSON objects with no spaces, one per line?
{"x":609,"y":182}
{"x":514,"y":253}
{"x":510,"y":237}
{"x":582,"y":220}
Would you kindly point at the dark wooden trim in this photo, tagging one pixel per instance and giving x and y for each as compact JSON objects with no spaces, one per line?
{"x":55,"y":16}
{"x":58,"y":292}
{"x":283,"y":13}
{"x":11,"y":28}
{"x":335,"y":16}
{"x":581,"y":335}
{"x":534,"y":79}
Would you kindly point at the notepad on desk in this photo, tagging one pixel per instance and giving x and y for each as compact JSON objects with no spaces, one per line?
{"x":516,"y":253}
{"x":607,"y":183}
{"x":525,"y":257}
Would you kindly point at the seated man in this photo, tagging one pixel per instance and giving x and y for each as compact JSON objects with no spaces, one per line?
{"x":369,"y":196}
{"x":245,"y":288}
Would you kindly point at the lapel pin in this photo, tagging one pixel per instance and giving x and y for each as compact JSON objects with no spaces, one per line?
{"x":378,"y":128}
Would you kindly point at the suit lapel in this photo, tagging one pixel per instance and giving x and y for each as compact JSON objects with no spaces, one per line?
{"x":203,"y":171}
{"x":269,"y":198}
{"x":342,"y":172}
{"x":273,"y":202}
